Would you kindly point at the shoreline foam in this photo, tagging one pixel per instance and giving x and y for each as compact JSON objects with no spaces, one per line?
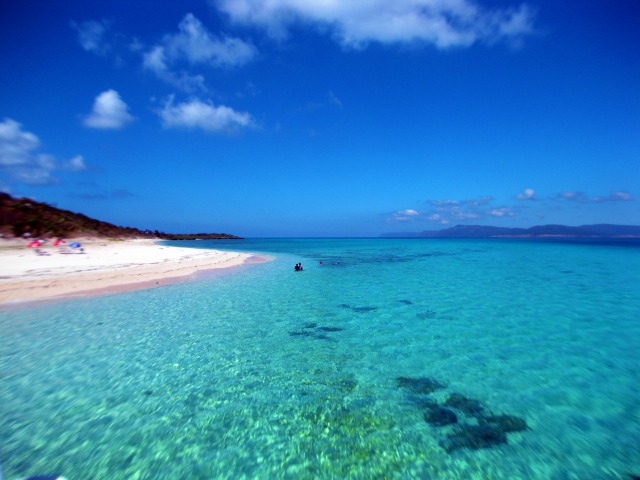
{"x":105,"y":266}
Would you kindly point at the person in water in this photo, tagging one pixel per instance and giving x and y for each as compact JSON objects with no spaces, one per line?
{"x":298,"y":267}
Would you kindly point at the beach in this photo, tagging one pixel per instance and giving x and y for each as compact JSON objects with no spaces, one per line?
{"x":100,"y":266}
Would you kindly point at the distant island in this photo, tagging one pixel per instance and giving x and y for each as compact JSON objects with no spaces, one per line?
{"x":540,"y":231}
{"x":24,"y":217}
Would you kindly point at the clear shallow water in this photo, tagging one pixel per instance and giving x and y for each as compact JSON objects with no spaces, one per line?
{"x":328,"y":373}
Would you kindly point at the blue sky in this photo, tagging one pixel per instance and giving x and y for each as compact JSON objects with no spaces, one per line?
{"x":323,"y":117}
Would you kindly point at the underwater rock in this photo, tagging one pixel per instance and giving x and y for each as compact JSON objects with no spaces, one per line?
{"x":440,"y":416}
{"x":148,"y":392}
{"x":330,"y":329}
{"x":347,"y":385}
{"x":466,"y":405}
{"x":426,"y":315}
{"x":422,"y":402}
{"x":357,"y":309}
{"x":301,"y":334}
{"x":473,"y":437}
{"x":420,"y":384}
{"x":310,"y":325}
{"x":406,"y":302}
{"x":308,"y":333}
{"x":323,"y":337}
{"x":363,"y":309}
{"x":506,"y":423}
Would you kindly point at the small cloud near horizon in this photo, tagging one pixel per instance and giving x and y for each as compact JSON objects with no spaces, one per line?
{"x":614,"y":197}
{"x":449,"y":211}
{"x":527,"y":194}
{"x":581,"y":197}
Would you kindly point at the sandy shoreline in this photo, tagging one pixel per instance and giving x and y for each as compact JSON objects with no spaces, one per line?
{"x":103,"y":266}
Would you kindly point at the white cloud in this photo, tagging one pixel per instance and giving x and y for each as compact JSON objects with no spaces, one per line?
{"x":443,"y":23}
{"x":156,"y":60}
{"x":436,"y":217}
{"x":16,"y":145}
{"x":109,"y":112}
{"x":501,"y":212}
{"x":448,"y":211}
{"x":444,"y":203}
{"x":76,"y":164}
{"x":581,"y":197}
{"x":620,"y":197}
{"x":198,"y":114}
{"x":410,"y":212}
{"x":527,"y":194}
{"x":91,"y":36}
{"x":574,"y":196}
{"x":333,"y":98}
{"x":195,"y":45}
{"x":408,"y":215}
{"x":20,"y":159}
{"x":473,"y":203}
{"x":614,"y":197}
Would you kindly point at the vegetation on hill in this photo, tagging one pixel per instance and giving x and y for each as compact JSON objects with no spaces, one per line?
{"x":20,"y":216}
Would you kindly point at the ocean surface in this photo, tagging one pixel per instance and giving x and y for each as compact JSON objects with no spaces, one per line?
{"x":384,"y":358}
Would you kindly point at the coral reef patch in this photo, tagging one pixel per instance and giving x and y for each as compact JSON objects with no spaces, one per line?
{"x":440,"y":416}
{"x":473,"y":437}
{"x":463,"y":422}
{"x":421,"y":385}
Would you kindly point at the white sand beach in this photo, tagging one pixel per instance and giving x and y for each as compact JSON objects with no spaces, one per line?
{"x":102,"y":266}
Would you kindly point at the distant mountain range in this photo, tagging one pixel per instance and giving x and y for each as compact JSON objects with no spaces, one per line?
{"x":481,"y":231}
{"x":22,"y":216}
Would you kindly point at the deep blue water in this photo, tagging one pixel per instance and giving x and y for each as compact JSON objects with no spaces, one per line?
{"x":354,"y":368}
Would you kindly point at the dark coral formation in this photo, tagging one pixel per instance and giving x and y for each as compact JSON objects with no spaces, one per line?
{"x":312,"y":330}
{"x":364,"y":309}
{"x":469,"y":406}
{"x":506,"y":423}
{"x":357,"y":309}
{"x":301,"y":334}
{"x":440,"y":416}
{"x":421,"y":385}
{"x":463,"y":419}
{"x":473,"y":437}
{"x":347,"y":385}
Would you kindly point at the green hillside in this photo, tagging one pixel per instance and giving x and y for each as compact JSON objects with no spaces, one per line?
{"x":19,"y":216}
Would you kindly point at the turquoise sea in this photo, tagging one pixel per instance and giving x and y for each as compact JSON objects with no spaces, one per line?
{"x":393,"y":358}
